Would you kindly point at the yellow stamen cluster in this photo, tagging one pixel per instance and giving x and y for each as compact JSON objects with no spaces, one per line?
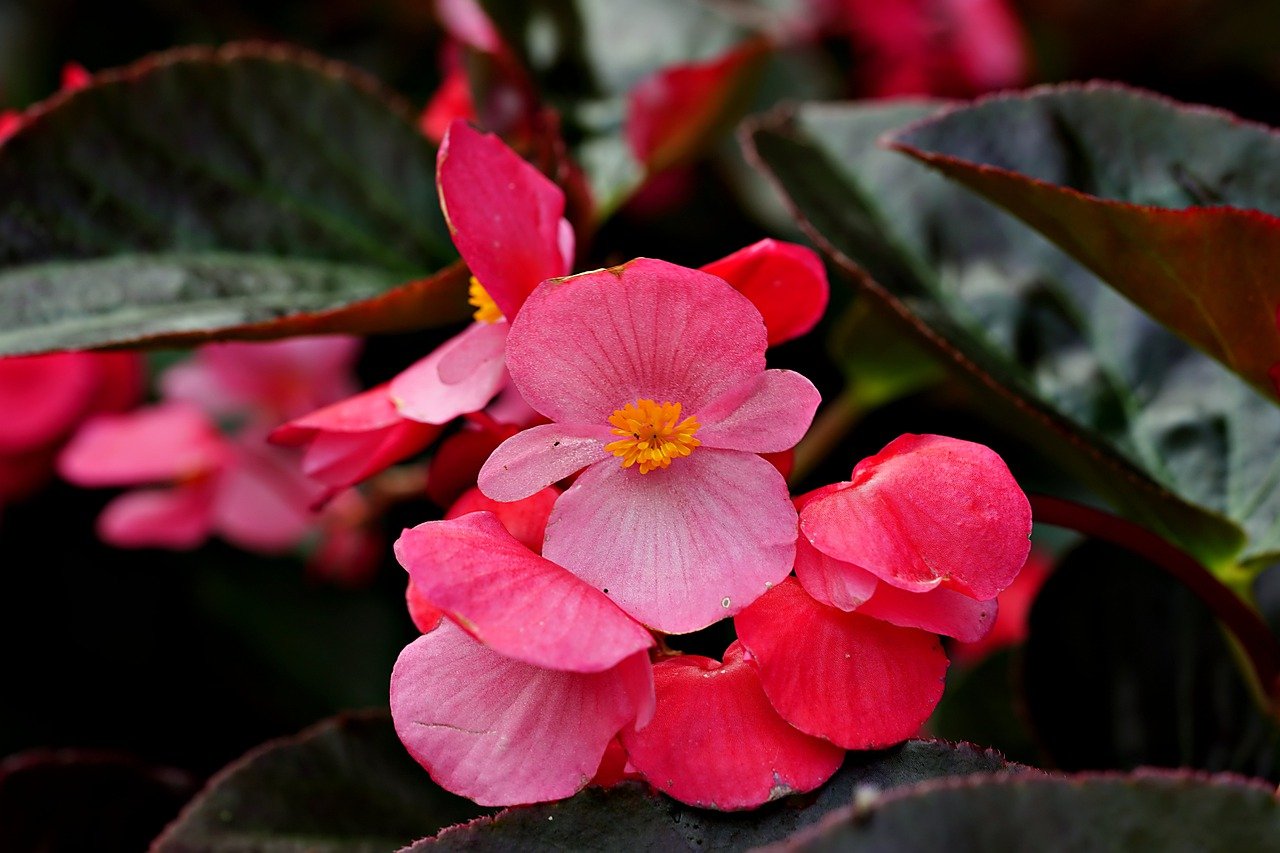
{"x":652,"y":434}
{"x":487,"y":310}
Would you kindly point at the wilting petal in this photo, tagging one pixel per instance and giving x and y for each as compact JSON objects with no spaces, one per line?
{"x":586,"y":346}
{"x":928,"y":511}
{"x":938,"y":611}
{"x":502,"y":732}
{"x":786,"y":282}
{"x":157,"y":444}
{"x":514,"y":601}
{"x":855,"y":681}
{"x":504,"y":214}
{"x":680,"y":547}
{"x":421,"y":393}
{"x":537,"y":457}
{"x":716,"y":742}
{"x":771,"y":417}
{"x":179,"y":518}
{"x":525,"y":519}
{"x":263,"y":502}
{"x":42,"y":397}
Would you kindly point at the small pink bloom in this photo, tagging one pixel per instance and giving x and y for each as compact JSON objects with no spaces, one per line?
{"x":688,"y":524}
{"x":716,"y":741}
{"x":521,"y":705}
{"x":786,"y":282}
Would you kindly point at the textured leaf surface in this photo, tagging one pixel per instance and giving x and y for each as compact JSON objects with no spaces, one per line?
{"x":344,"y":785}
{"x":1174,"y":439}
{"x":629,"y":817}
{"x":249,"y":188}
{"x":1176,"y":207}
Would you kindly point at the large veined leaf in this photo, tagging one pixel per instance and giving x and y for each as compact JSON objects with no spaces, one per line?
{"x":1176,"y":207}
{"x":1176,"y":441}
{"x":1151,"y":811}
{"x":251,"y":190}
{"x":631,"y":817}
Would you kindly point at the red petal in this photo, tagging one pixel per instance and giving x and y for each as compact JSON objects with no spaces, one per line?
{"x":785,"y":281}
{"x":458,"y":459}
{"x":452,"y":101}
{"x":526,"y":519}
{"x":855,"y":681}
{"x":425,"y":615}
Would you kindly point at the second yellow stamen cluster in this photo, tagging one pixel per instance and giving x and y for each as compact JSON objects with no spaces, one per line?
{"x":487,"y":310}
{"x":652,"y":434}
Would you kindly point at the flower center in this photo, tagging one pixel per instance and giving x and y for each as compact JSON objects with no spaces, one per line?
{"x":487,"y":310}
{"x":652,"y":434}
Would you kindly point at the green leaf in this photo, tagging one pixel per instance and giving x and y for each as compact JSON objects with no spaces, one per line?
{"x":252,"y":191}
{"x":342,"y":786}
{"x":1174,"y":440}
{"x":630,"y":817}
{"x":1176,"y":207}
{"x":1153,"y":811}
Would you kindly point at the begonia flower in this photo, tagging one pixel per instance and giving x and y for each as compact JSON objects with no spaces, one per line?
{"x":515,"y":697}
{"x":654,"y":379}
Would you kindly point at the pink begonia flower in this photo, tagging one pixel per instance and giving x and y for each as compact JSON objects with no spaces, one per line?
{"x":716,"y":742}
{"x":653,"y":376}
{"x":515,"y":697}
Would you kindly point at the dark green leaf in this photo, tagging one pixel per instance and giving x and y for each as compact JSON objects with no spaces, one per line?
{"x":630,"y":817}
{"x":344,"y":785}
{"x":249,"y":188}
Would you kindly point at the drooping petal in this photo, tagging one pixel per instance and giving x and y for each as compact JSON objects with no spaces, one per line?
{"x":514,"y":601}
{"x":525,"y":519}
{"x":927,"y":511}
{"x":855,"y":681}
{"x":263,"y":501}
{"x":785,"y":281}
{"x":771,"y":417}
{"x":537,"y":457}
{"x":421,"y":393}
{"x":42,"y":397}
{"x":179,"y":518}
{"x":681,"y":547}
{"x":716,"y":741}
{"x":504,"y":214}
{"x":157,"y":444}
{"x":503,"y":732}
{"x":938,"y":611}
{"x":587,"y":345}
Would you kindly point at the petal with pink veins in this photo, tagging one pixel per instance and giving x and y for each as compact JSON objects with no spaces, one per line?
{"x":716,"y":741}
{"x":785,"y":281}
{"x":855,"y":681}
{"x":531,"y":460}
{"x":680,"y":547}
{"x":156,"y":444}
{"x":587,"y":345}
{"x":180,"y":517}
{"x":514,"y":601}
{"x":928,"y":511}
{"x":422,"y":394}
{"x":771,"y":417}
{"x":503,"y":732}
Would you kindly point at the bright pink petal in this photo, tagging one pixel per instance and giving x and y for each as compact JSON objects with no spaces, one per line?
{"x":451,"y":101}
{"x":938,"y":611}
{"x":43,"y":397}
{"x":680,"y":547}
{"x":855,"y":681}
{"x":365,"y":412}
{"x":928,"y":511}
{"x":586,"y":346}
{"x":157,"y":444}
{"x":263,"y":501}
{"x":785,"y":281}
{"x":771,"y":418}
{"x":421,"y":392}
{"x":514,"y":601}
{"x":716,"y":742}
{"x":502,"y":732}
{"x":178,"y":518}
{"x":829,"y":581}
{"x":525,"y":519}
{"x":538,"y":457}
{"x":504,"y":214}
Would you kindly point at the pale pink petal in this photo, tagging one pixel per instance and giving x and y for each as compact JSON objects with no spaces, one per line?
{"x":42,"y":397}
{"x":771,"y":417}
{"x":514,"y":601}
{"x":157,"y":444}
{"x":680,"y":547}
{"x":503,"y":213}
{"x":483,"y":343}
{"x":264,"y":502}
{"x":422,"y":394}
{"x":503,"y":732}
{"x":785,"y":281}
{"x":537,"y":457}
{"x":466,"y":21}
{"x":938,"y":611}
{"x":178,"y":518}
{"x":928,"y":511}
{"x":510,"y":407}
{"x":587,"y":345}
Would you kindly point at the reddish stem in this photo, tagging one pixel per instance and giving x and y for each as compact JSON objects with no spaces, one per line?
{"x":1251,"y":632}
